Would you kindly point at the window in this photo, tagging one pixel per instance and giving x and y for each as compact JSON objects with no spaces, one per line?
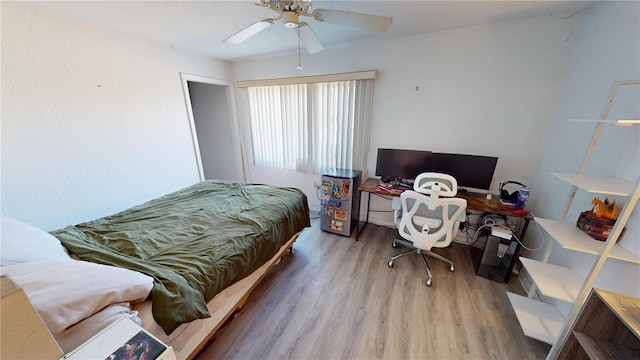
{"x":310,"y":127}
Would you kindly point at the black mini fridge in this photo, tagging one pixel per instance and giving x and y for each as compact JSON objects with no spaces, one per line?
{"x":339,"y":201}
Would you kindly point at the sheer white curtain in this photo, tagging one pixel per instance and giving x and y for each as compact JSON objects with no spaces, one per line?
{"x":311,"y":127}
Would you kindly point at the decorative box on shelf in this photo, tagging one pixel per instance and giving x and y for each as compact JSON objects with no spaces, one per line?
{"x":594,"y":226}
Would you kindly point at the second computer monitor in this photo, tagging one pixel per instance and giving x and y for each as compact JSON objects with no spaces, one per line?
{"x":472,"y":171}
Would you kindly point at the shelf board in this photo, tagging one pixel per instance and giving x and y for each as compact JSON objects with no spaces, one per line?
{"x":572,"y":238}
{"x":554,"y":281}
{"x":621,"y":122}
{"x":626,"y":308}
{"x":601,"y":349}
{"x":597,"y":184}
{"x":538,"y":320}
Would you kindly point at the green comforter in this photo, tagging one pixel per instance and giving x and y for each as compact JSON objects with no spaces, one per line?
{"x":194,"y":242}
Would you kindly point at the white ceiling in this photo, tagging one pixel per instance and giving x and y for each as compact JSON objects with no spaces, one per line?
{"x":200,"y":26}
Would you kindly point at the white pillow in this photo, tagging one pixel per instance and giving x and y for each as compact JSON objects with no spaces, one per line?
{"x":77,"y":334}
{"x":20,"y":242}
{"x":66,"y":292}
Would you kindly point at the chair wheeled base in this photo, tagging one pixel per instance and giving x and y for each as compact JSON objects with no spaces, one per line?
{"x":423,"y":254}
{"x":428,"y":217}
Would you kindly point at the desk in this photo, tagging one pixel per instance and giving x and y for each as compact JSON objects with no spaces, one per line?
{"x":475,"y":201}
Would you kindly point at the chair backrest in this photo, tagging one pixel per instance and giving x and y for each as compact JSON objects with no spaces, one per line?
{"x":429,"y":183}
{"x":430,"y":221}
{"x":436,"y":184}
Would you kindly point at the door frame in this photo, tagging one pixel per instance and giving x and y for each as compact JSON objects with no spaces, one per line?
{"x":238,"y":152}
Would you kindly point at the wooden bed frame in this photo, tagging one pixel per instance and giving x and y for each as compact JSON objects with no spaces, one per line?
{"x":189,"y":339}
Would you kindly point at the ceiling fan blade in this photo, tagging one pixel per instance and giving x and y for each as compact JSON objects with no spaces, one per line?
{"x":309,"y":38}
{"x":249,"y":31}
{"x":364,"y":21}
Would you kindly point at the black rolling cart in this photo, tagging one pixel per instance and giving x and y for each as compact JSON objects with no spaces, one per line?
{"x":495,"y":257}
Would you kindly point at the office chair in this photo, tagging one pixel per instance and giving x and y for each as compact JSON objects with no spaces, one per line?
{"x":428,"y":217}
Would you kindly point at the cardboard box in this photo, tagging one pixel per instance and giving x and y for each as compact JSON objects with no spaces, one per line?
{"x":23,"y":334}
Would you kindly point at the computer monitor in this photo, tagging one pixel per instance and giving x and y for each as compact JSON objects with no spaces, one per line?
{"x":405,"y":164}
{"x":472,"y":171}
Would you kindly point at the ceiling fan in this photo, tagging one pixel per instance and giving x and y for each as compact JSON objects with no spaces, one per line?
{"x":290,"y":12}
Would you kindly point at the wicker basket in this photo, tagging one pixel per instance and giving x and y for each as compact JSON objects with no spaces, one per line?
{"x":596,"y":227}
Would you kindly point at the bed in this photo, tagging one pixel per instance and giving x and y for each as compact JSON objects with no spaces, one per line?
{"x":198,"y":252}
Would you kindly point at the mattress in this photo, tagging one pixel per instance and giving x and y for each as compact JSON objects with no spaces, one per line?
{"x":194,"y":242}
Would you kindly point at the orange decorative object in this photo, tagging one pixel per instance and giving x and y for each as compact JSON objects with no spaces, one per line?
{"x":605,"y":209}
{"x":599,"y":221}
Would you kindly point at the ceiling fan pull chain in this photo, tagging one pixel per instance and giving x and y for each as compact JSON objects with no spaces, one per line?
{"x":299,"y":68}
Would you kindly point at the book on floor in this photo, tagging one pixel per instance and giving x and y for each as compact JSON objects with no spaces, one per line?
{"x":141,"y":346}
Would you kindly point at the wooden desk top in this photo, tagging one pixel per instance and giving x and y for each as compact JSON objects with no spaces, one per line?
{"x":475,"y":201}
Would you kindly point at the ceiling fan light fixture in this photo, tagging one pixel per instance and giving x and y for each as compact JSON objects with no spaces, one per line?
{"x":291,"y":10}
{"x":290,"y":19}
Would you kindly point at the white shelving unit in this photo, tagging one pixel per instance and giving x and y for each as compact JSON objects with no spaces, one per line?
{"x":570,"y":237}
{"x":554,"y":281}
{"x":597,"y":184}
{"x":541,"y":320}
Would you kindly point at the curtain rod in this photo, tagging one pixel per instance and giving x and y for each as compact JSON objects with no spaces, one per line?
{"x":359,"y":75}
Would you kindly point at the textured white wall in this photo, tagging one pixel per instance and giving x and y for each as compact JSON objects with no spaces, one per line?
{"x":486,"y":90}
{"x":93,"y":121}
{"x":608,"y":50}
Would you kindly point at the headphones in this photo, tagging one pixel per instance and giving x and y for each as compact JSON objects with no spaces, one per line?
{"x":510,"y":197}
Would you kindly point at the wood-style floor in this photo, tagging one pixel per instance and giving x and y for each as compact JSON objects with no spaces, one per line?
{"x":337,"y":299}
